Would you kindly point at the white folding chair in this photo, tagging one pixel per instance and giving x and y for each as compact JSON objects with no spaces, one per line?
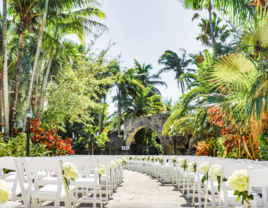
{"x":86,"y":181}
{"x":49,"y":192}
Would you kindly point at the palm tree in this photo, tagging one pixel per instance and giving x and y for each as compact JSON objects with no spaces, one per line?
{"x":36,"y":63}
{"x":143,"y":103}
{"x":146,"y":79}
{"x":239,"y":10}
{"x":125,"y":84}
{"x":5,"y":72}
{"x":173,"y":62}
{"x":221,"y":33}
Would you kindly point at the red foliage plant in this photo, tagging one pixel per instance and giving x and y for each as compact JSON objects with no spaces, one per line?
{"x":51,"y":139}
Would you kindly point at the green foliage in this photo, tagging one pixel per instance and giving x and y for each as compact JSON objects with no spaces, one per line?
{"x":16,"y":147}
{"x":263,"y":146}
{"x":101,"y":139}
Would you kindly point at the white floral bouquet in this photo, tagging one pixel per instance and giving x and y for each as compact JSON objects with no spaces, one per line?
{"x":152,"y":159}
{"x":138,"y":158}
{"x":148,"y":158}
{"x":215,"y":173}
{"x":238,"y":182}
{"x":143,"y":158}
{"x":182,"y":163}
{"x":192,"y":166}
{"x":5,"y":192}
{"x":130,"y":158}
{"x":204,"y":168}
{"x":118,"y":163}
{"x":134,"y":158}
{"x":69,"y":172}
{"x":100,"y":170}
{"x":160,"y":159}
{"x":113,"y":165}
{"x":124,"y":159}
{"x":174,"y":160}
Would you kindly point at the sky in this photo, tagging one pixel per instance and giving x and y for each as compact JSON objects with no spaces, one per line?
{"x":144,"y":30}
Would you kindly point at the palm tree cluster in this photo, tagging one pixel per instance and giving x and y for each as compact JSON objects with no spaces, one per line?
{"x":226,"y":98}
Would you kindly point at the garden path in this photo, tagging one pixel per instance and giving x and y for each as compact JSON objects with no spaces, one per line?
{"x":141,"y":191}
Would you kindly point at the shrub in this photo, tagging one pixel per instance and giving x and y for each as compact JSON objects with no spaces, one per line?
{"x":51,"y":139}
{"x":16,"y":147}
{"x":263,"y":146}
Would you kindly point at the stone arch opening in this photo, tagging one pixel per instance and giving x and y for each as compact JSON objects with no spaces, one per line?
{"x":155,"y":123}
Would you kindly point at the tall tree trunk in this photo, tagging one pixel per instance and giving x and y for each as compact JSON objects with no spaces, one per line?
{"x":35,"y":63}
{"x":36,"y":91}
{"x":17,"y":82}
{"x":211,"y":28}
{"x":44,"y":85}
{"x":100,"y":115}
{"x":5,"y":77}
{"x":1,"y":98}
{"x":119,"y":114}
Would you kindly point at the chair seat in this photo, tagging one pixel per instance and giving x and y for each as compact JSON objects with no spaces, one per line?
{"x":47,"y":180}
{"x":10,"y":204}
{"x":49,"y":192}
{"x":4,"y":176}
{"x":84,"y":182}
{"x":18,"y":189}
{"x":12,"y":177}
{"x":233,"y":202}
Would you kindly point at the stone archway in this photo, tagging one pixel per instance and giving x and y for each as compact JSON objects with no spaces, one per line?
{"x":155,"y":122}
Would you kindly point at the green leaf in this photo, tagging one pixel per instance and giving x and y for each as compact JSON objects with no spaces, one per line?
{"x":238,"y":198}
{"x":236,"y":193}
{"x":204,"y":178}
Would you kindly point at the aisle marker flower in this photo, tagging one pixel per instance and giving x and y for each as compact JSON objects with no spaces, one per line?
{"x":100,"y":170}
{"x":238,"y":182}
{"x":5,"y":192}
{"x":215,"y":173}
{"x":124,"y":160}
{"x":69,"y":172}
{"x":143,"y":158}
{"x":192,"y":167}
{"x":152,"y":159}
{"x":182,"y":163}
{"x":204,"y":168}
{"x":113,"y":165}
{"x":174,"y":160}
{"x":148,"y":158}
{"x":160,"y":159}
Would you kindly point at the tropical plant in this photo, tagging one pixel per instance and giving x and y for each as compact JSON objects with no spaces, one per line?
{"x":179,"y":65}
{"x":146,"y":79}
{"x":142,"y":103}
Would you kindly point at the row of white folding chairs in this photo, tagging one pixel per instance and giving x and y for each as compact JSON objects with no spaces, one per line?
{"x":193,"y":181}
{"x":44,"y":180}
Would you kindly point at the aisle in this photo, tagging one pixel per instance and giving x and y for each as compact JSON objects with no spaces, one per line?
{"x":141,"y":191}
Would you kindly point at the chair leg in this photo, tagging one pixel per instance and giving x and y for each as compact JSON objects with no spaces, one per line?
{"x":206,"y":196}
{"x":35,"y":203}
{"x":193,"y":191}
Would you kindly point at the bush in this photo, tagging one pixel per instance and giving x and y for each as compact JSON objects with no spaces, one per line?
{"x":263,"y":146}
{"x":153,"y":149}
{"x":16,"y":147}
{"x":51,"y":139}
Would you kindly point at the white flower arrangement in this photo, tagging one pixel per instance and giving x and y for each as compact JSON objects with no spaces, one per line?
{"x":238,"y":182}
{"x":215,"y":172}
{"x":113,"y":165}
{"x":5,"y":192}
{"x":143,"y":158}
{"x":118,"y":163}
{"x":152,"y":159}
{"x":204,"y":168}
{"x":174,"y":160}
{"x":160,"y":159}
{"x":124,"y":160}
{"x":148,"y":158}
{"x":192,"y":166}
{"x":100,"y":170}
{"x":70,"y":171}
{"x":134,"y":158}
{"x":182,"y":163}
{"x":130,"y":158}
{"x":138,"y":158}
